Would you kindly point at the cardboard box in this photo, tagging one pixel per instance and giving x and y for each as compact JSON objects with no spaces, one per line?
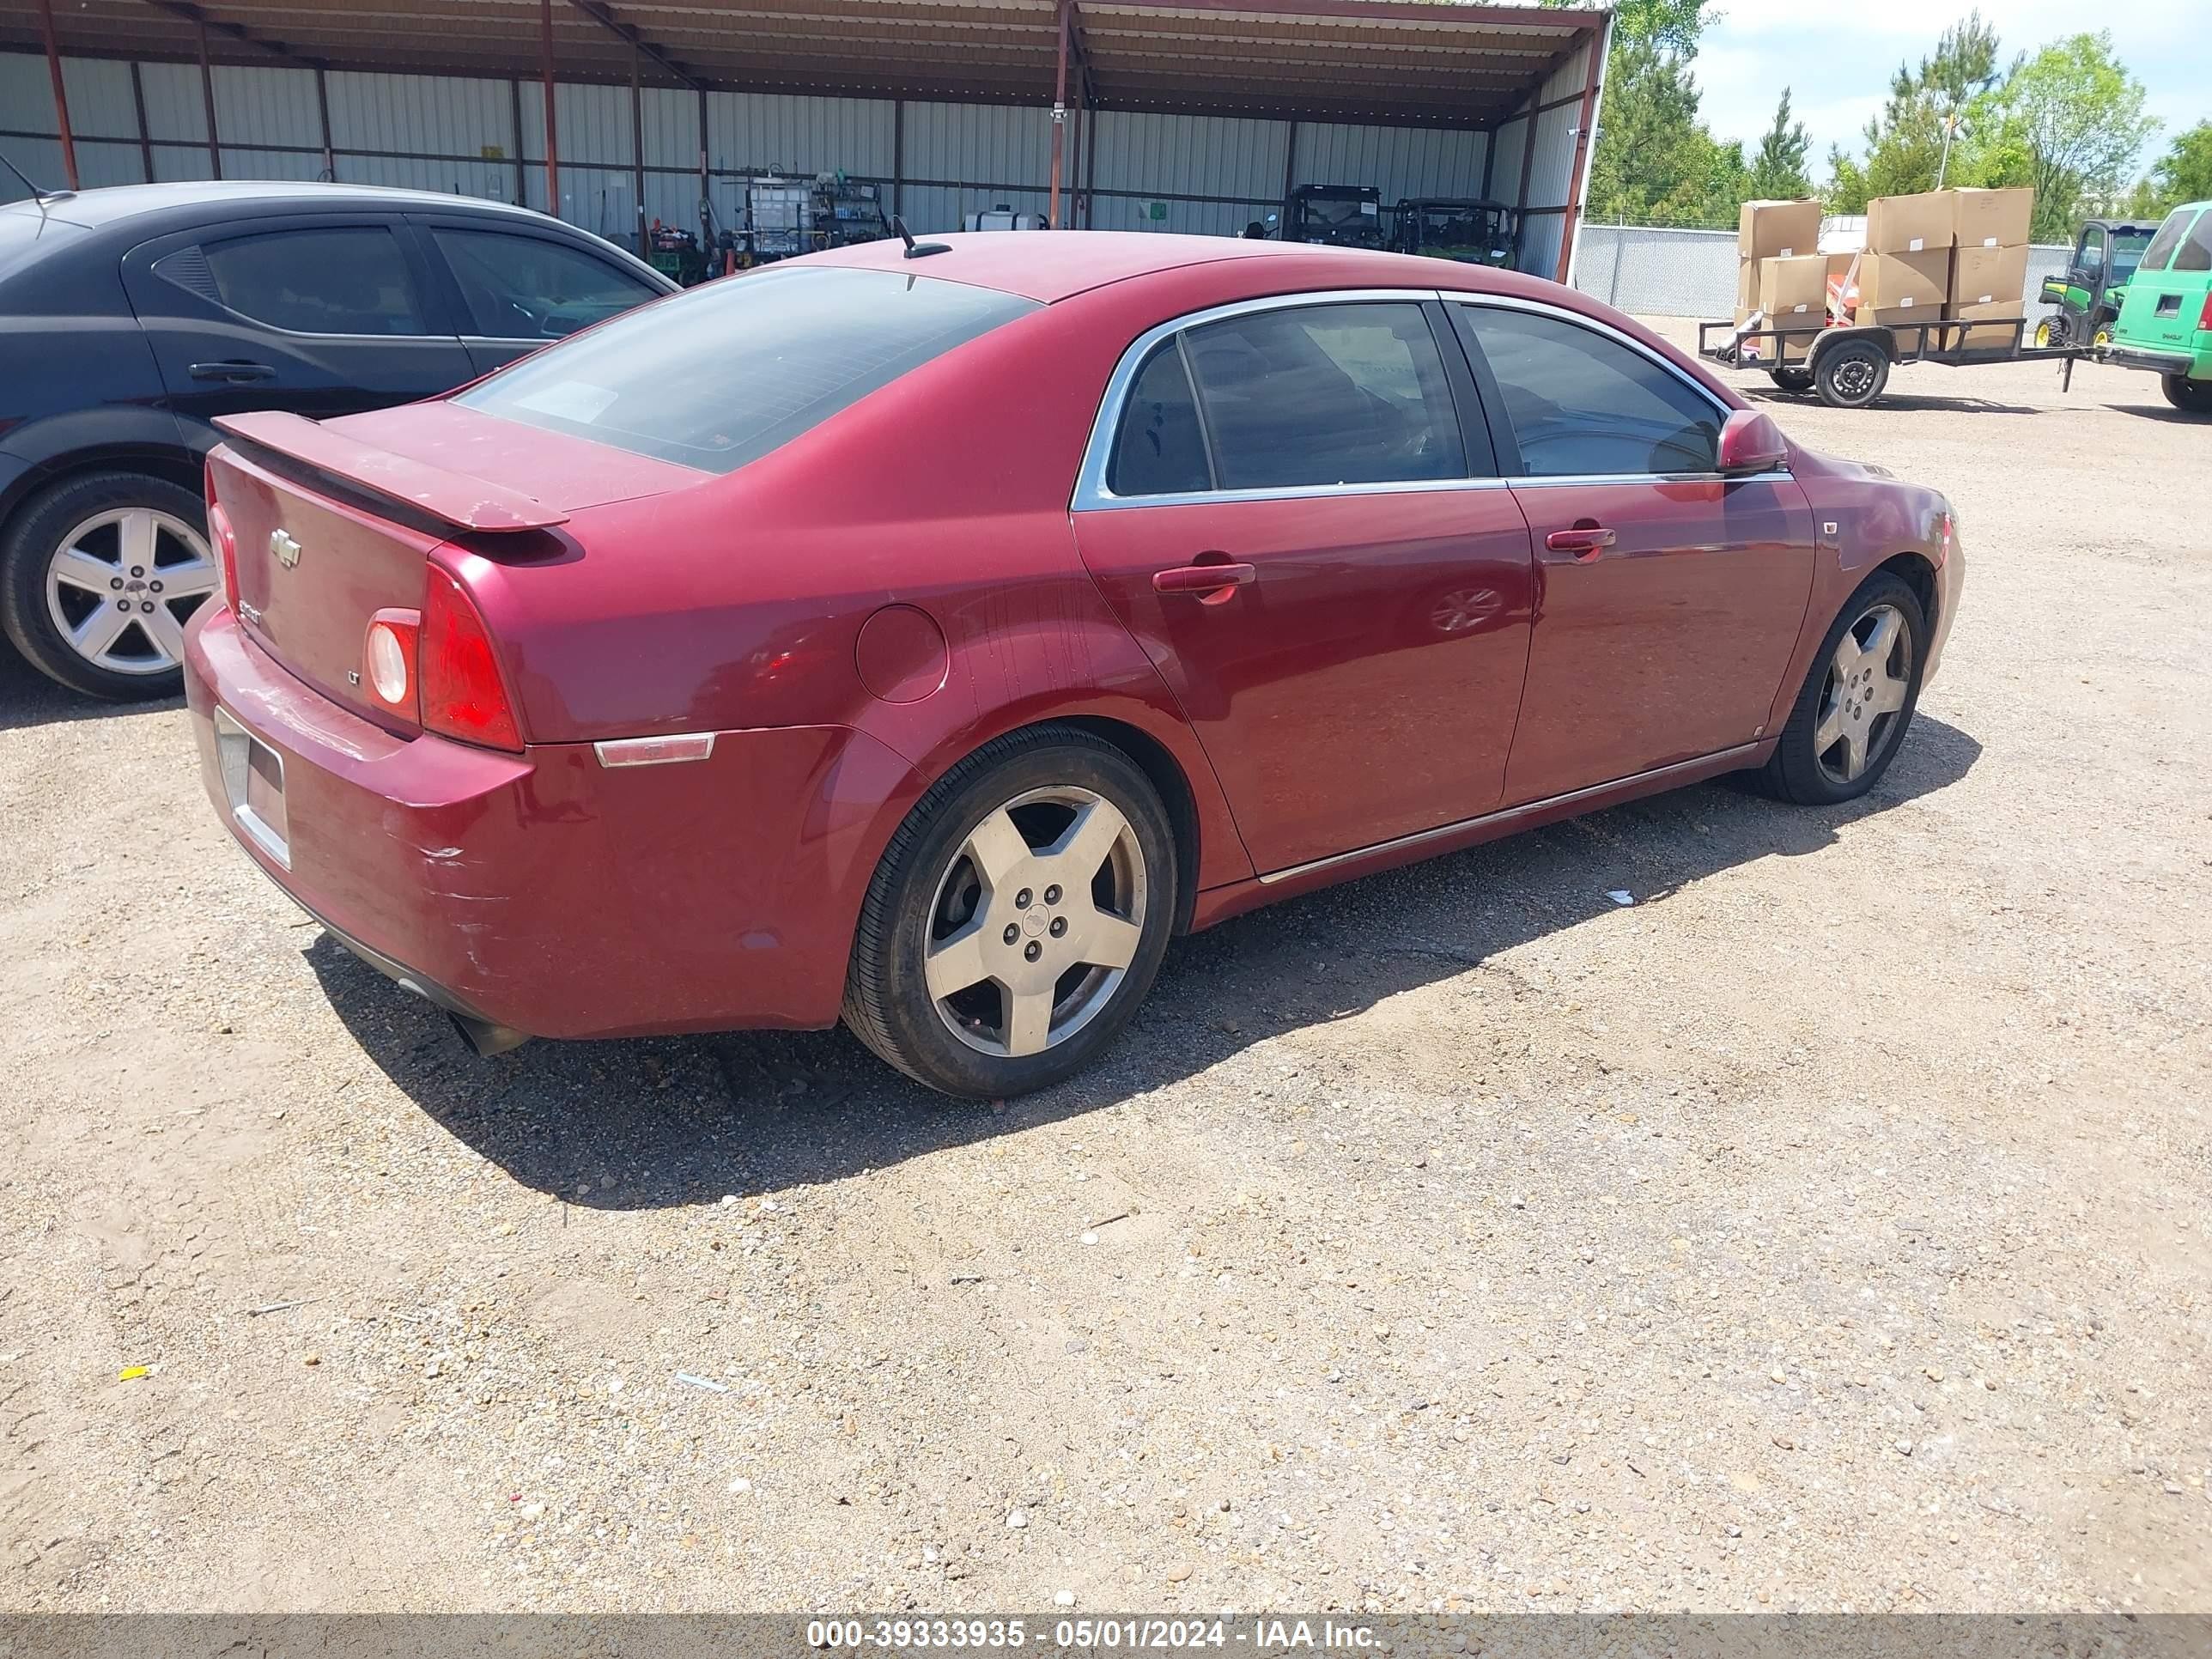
{"x":1793,"y":292}
{"x":1984,"y":327}
{"x":1905,"y":282}
{"x":1989,"y":276}
{"x":1777,"y":230}
{"x":1908,"y":340}
{"x":1992,"y":218}
{"x":1746,"y":288}
{"x":1911,"y":224}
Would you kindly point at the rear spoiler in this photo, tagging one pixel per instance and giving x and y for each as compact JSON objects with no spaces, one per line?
{"x":453,"y":498}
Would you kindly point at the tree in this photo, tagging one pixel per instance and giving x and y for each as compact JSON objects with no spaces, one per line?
{"x":2185,"y":174}
{"x":1656,"y":163}
{"x":2076,"y":115}
{"x":1953,"y":89}
{"x":1778,"y":173}
{"x":1672,"y":24}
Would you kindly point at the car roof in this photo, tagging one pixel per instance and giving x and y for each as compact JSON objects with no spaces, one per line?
{"x":112,"y":204}
{"x":1053,"y":265}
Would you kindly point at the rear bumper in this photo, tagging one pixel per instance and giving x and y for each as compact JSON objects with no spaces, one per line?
{"x":2157,"y":362}
{"x":543,"y":891}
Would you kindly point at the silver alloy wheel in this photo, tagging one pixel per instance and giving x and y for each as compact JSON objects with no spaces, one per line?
{"x":120,"y":585}
{"x":1034,"y":920}
{"x":1868,"y":679}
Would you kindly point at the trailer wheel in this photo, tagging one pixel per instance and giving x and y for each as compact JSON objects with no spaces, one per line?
{"x":1852,"y":374}
{"x":1792,"y":378}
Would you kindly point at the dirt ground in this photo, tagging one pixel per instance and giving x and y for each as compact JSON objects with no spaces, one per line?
{"x":1826,"y":1230}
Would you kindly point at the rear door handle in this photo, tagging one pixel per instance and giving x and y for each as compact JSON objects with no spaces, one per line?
{"x":1204,"y":578}
{"x":236,"y":373}
{"x":1581,"y":545}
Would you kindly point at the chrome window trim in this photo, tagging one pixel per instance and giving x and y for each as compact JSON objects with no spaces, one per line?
{"x":1092,"y":496}
{"x":1091,"y":493}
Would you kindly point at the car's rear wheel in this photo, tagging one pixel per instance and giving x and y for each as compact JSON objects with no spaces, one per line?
{"x":98,"y":577}
{"x":1017,"y":918}
{"x":1852,"y":374}
{"x":1857,"y":700}
{"x":2194,"y":396}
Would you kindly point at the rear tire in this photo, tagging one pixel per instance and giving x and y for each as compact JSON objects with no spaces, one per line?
{"x":97,"y":576}
{"x":1851,"y":375}
{"x":2050,"y":331}
{"x":1017,"y":917}
{"x":1856,"y":705}
{"x":1792,"y":378}
{"x":2193,"y":396}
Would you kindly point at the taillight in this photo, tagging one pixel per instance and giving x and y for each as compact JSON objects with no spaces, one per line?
{"x":462,"y":694}
{"x":389,"y":653}
{"x":226,"y":544}
{"x":2204,"y":316}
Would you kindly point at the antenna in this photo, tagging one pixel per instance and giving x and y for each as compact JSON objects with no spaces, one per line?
{"x":37,"y":194}
{"x":916,"y":250}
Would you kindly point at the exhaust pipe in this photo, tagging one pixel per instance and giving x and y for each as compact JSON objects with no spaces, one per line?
{"x":485,"y":1039}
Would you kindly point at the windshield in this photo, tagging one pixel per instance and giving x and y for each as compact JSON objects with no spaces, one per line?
{"x":725,"y":373}
{"x":2128,"y":248}
{"x":1340,"y":212}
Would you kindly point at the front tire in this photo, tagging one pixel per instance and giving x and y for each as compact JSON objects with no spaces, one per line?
{"x":1017,"y":917}
{"x":1857,"y":700}
{"x":2193,"y":396}
{"x":97,"y":578}
{"x":1789,"y":378}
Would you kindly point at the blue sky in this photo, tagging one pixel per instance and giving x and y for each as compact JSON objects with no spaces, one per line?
{"x":1839,"y":65}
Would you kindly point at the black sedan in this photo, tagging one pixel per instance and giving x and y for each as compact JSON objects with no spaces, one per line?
{"x":130,"y":318}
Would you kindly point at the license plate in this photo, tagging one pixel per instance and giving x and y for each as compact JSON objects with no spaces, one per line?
{"x":254,"y":780}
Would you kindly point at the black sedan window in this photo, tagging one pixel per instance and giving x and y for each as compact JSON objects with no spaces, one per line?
{"x":529,"y":287}
{"x":342,"y":279}
{"x":725,"y":373}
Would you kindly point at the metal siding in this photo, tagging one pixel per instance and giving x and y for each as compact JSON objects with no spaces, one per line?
{"x":99,"y":97}
{"x":422,"y":114}
{"x":174,"y":109}
{"x":261,"y":106}
{"x":928,"y":210}
{"x":493,"y":181}
{"x":672,"y":127}
{"x":1540,"y":243}
{"x":1567,"y":81}
{"x":799,"y":136}
{"x":1186,"y":154}
{"x":980,"y":144}
{"x":175,"y":163}
{"x":1505,"y":172}
{"x":1554,"y":166}
{"x":1401,"y":161}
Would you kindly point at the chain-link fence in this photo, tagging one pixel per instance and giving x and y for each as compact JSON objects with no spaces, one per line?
{"x":1659,"y":272}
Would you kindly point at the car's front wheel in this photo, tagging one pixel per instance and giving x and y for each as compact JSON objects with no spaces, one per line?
{"x":1857,"y":700}
{"x":2194,"y":395}
{"x":98,"y":576}
{"x":1017,"y":917}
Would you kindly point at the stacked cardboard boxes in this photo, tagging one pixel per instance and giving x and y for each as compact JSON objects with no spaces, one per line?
{"x":1780,"y":275}
{"x":1905,"y":274}
{"x":1989,"y":265}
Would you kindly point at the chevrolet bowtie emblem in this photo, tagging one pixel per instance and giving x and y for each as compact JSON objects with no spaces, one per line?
{"x":284,"y":549}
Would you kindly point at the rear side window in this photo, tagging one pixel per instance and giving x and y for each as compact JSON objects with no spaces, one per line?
{"x":2197,"y":253}
{"x":526,"y":287}
{"x":1583,"y":404}
{"x":1325,"y":394}
{"x":2168,"y":238}
{"x":345,"y":280}
{"x":1160,"y":449}
{"x":730,"y":372}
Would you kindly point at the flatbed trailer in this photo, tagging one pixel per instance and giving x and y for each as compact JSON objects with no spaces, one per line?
{"x":1848,"y":364}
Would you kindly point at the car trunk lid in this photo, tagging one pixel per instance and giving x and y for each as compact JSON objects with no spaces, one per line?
{"x":336,"y":521}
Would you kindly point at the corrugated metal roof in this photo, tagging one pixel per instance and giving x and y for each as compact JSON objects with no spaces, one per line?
{"x":1378,"y":62}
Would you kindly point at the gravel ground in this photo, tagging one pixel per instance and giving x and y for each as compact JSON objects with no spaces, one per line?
{"x":1826,"y":1230}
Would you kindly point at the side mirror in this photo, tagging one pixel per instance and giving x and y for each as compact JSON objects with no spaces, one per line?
{"x":1751,"y":442}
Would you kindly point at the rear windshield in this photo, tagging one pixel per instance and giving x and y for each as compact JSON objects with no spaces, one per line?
{"x":727,"y":373}
{"x":2169,"y":234}
{"x":2127,"y":250}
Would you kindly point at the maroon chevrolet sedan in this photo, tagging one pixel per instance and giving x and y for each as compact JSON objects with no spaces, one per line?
{"x":923,"y":636}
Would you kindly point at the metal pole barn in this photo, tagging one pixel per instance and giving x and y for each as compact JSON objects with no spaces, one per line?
{"x":1583,"y":138}
{"x":637,"y":145}
{"x":552,"y":116}
{"x":1059,"y":119}
{"x":207,"y":97}
{"x":61,"y":93}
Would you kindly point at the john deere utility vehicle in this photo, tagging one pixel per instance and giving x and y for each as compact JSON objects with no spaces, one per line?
{"x":2088,"y":296}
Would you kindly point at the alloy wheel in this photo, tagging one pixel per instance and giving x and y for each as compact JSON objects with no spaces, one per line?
{"x":1034,"y":920}
{"x":120,"y":585}
{"x":1869,"y":679}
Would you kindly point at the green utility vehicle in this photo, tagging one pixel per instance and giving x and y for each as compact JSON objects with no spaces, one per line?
{"x":1343,"y":215}
{"x":2165,"y":324}
{"x":2088,"y":296}
{"x":1474,"y":233}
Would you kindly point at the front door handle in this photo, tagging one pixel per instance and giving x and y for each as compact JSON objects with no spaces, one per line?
{"x":1212,"y":583}
{"x":1581,"y":544}
{"x":235,"y":373}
